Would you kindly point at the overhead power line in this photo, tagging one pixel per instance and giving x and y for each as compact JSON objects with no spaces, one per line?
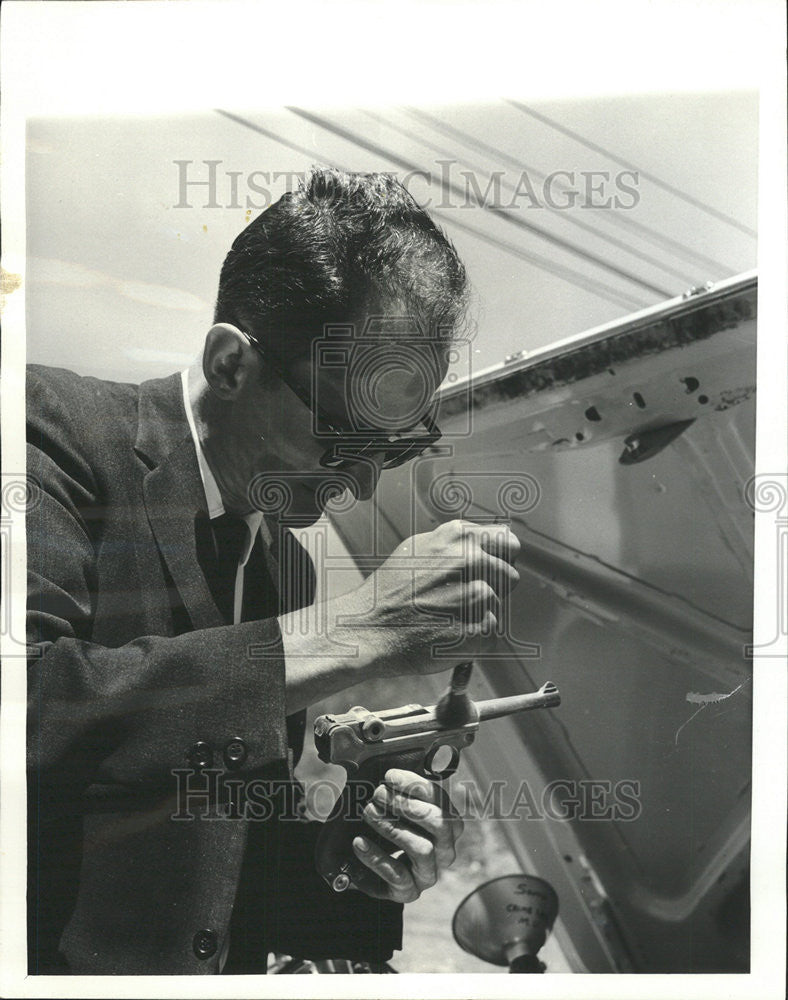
{"x":312,"y":154}
{"x":568,"y":219}
{"x":620,"y":219}
{"x":500,"y":213}
{"x":584,"y":281}
{"x":688,"y":198}
{"x":545,"y":264}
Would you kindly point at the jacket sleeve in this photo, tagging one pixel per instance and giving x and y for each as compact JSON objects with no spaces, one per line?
{"x":134,"y":713}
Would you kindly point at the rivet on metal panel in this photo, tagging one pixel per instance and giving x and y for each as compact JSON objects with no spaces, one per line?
{"x":698,"y":290}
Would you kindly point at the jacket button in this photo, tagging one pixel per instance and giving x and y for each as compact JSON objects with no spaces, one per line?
{"x":235,"y":753}
{"x":205,"y":944}
{"x":201,"y":755}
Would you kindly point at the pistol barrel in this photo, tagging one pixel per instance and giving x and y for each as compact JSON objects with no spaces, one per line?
{"x":547,"y":696}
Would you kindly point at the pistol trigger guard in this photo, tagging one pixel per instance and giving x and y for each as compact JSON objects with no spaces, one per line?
{"x":447,"y":771}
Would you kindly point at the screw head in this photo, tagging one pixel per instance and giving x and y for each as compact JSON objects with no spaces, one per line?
{"x":372,"y":728}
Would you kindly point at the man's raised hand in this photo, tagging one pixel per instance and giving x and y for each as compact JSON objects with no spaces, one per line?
{"x":435,"y":590}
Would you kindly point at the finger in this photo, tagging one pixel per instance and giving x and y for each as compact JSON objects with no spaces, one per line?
{"x":418,"y":847}
{"x":502,"y":578}
{"x":480,"y":598}
{"x":486,"y":627}
{"x":400,"y":886}
{"x":496,"y":539}
{"x":426,"y":817}
{"x":499,"y":573}
{"x":431,"y":816}
{"x":416,"y":786}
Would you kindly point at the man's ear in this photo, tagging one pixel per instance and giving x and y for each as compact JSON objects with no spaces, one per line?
{"x":227,"y":360}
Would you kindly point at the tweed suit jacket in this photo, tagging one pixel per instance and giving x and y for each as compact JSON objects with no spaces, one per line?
{"x":133,"y":676}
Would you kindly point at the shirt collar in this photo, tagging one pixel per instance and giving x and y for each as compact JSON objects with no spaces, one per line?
{"x":213,"y":496}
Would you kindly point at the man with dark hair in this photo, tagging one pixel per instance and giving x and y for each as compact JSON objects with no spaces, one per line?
{"x":339,"y":247}
{"x":167,"y":596}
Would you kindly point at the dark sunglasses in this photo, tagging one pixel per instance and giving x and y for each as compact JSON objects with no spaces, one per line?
{"x":352,"y":445}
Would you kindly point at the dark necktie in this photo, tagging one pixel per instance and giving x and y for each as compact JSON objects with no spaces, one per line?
{"x":230,"y":533}
{"x":276,"y":580}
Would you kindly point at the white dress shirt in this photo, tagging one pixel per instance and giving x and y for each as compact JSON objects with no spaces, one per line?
{"x":213,"y":497}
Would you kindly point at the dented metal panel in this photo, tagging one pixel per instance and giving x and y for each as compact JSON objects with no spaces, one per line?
{"x":622,"y":458}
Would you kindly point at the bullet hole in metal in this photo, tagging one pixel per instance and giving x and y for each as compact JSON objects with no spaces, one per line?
{"x":703,"y":399}
{"x":592,"y":413}
{"x":579,"y":436}
{"x":691,"y":383}
{"x":639,"y":401}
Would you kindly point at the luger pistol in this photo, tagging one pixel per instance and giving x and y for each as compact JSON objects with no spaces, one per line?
{"x":427,"y":740}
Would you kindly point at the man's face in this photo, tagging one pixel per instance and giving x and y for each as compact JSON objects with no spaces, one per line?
{"x":385,"y":391}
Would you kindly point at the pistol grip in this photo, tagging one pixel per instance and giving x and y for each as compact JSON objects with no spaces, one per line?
{"x":335,"y":858}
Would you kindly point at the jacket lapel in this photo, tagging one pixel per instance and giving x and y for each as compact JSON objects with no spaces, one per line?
{"x":174,"y":495}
